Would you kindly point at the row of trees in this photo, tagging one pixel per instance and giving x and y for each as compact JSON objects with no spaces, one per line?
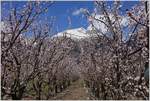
{"x":34,"y":64}
{"x":37,"y":65}
{"x":113,"y":68}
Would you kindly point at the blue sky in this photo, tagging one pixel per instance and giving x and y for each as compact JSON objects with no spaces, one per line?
{"x":63,"y":10}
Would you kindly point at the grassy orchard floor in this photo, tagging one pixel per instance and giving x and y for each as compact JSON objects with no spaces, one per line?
{"x":75,"y":91}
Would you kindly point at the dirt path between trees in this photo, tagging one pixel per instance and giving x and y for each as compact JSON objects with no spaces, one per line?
{"x":74,"y":92}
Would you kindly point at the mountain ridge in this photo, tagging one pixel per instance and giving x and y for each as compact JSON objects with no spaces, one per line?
{"x":76,"y":33}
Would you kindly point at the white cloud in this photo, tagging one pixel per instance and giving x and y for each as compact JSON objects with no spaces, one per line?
{"x":124,"y":21}
{"x":4,"y":26}
{"x":98,"y":25}
{"x":79,"y":11}
{"x":101,"y":26}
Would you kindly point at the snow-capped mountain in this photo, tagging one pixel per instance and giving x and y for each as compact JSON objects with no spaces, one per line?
{"x":81,"y":33}
{"x":77,"y":33}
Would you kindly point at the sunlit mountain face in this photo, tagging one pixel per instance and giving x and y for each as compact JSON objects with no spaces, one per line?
{"x":77,"y":33}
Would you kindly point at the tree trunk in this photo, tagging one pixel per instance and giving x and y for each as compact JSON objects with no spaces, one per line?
{"x":39,"y":91}
{"x":68,"y":82}
{"x":64,"y":85}
{"x":97,"y":91}
{"x":18,"y":94}
{"x":56,"y":89}
{"x":60,"y":87}
{"x":104,"y":95}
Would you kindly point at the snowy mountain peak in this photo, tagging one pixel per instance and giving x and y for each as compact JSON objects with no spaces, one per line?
{"x":77,"y":33}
